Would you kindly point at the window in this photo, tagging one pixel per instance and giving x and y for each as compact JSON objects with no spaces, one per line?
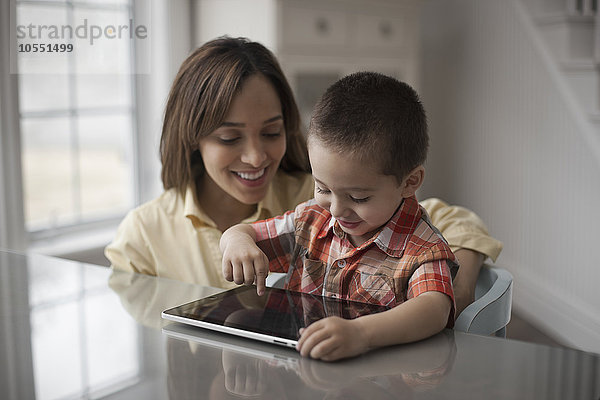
{"x":77,"y":111}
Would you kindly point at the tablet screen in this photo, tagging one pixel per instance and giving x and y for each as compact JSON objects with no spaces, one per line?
{"x":278,"y":313}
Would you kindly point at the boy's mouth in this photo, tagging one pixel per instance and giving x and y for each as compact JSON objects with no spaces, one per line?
{"x":348,"y":225}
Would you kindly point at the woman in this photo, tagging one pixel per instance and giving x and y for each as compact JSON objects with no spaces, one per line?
{"x":232,"y":151}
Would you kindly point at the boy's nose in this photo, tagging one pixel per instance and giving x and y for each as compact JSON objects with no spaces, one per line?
{"x":336,"y":208}
{"x":254,"y":155}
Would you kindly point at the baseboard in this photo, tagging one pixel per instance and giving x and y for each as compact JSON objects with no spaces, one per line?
{"x":569,"y":322}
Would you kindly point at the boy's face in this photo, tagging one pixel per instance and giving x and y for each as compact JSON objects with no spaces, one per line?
{"x":359,"y":197}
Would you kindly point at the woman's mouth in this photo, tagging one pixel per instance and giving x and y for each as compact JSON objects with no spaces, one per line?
{"x":251,"y":178}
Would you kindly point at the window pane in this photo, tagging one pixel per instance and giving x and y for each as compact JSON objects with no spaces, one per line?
{"x":48,"y":173}
{"x":76,"y":112}
{"x":105,"y":161}
{"x":103,"y":91}
{"x":102,"y":2}
{"x":39,"y":90}
{"x":106,"y":49}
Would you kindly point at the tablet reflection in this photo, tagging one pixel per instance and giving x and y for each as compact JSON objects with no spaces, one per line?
{"x":205,"y":364}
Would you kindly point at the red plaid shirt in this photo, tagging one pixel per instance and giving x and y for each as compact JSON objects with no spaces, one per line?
{"x":406,"y":258}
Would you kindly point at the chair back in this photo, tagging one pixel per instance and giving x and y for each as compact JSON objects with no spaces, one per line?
{"x":490,"y":312}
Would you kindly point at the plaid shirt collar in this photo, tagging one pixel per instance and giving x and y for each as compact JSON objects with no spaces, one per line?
{"x":394,"y":235}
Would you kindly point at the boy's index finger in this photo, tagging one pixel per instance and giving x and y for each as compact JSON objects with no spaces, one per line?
{"x":261,"y":280}
{"x":261,"y":269}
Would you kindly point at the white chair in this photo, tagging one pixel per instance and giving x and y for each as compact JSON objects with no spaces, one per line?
{"x":490,"y":312}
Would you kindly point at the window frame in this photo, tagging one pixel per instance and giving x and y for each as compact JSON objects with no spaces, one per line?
{"x":12,"y":220}
{"x":47,"y":240}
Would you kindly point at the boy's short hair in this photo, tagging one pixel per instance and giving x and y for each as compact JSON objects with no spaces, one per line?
{"x":376,"y":118}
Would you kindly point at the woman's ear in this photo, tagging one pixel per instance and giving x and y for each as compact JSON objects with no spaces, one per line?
{"x":413,"y":181}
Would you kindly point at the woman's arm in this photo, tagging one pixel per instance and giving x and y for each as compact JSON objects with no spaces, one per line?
{"x":466,"y":278}
{"x":468,"y":237}
{"x":129,"y":250}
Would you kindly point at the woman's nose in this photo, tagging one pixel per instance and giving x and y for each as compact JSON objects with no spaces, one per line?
{"x":254,"y":154}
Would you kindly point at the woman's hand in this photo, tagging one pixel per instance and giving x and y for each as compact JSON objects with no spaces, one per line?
{"x":333,"y":338}
{"x":243,"y":262}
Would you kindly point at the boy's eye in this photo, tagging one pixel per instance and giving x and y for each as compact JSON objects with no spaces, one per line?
{"x":361,"y":200}
{"x":321,"y":191}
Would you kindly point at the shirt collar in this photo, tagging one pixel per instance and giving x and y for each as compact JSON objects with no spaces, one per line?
{"x":192,"y":210}
{"x":393,"y":237}
{"x":271,"y":202}
{"x":199,"y":218}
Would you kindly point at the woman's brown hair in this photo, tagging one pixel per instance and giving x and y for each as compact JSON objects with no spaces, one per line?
{"x":200,"y":97}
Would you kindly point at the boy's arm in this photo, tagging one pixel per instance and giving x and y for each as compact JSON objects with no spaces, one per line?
{"x":243,"y":262}
{"x":417,"y":318}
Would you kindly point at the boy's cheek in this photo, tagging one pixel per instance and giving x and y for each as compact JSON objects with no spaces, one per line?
{"x":321,"y":202}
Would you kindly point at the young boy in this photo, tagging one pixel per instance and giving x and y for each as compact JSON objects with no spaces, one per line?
{"x":363,"y":237}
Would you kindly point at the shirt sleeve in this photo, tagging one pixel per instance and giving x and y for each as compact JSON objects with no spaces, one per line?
{"x":276,"y":238}
{"x":129,"y":250}
{"x":433,"y":276}
{"x":462,"y":228}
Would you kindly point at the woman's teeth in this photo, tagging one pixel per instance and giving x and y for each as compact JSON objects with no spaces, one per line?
{"x":251,"y":176}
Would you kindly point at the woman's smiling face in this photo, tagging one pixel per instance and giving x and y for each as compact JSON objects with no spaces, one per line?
{"x":242,"y":155}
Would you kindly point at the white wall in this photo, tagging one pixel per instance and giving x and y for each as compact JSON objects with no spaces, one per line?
{"x":506,"y":144}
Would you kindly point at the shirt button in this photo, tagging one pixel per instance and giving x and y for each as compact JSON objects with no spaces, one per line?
{"x":342,"y":263}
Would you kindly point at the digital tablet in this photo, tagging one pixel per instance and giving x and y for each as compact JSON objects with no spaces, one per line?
{"x":276,"y":317}
{"x":275,"y":355}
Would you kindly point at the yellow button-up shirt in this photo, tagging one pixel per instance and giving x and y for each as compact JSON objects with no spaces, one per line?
{"x":172,"y":237}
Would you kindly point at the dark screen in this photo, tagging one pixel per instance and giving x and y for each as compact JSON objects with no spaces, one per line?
{"x":278,"y":313}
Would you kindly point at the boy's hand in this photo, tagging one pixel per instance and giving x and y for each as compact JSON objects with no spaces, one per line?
{"x":243,"y":262}
{"x":333,"y":338}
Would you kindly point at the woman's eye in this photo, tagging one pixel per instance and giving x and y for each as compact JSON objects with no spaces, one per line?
{"x":360,"y":200}
{"x":272,"y":135}
{"x":228,"y":140}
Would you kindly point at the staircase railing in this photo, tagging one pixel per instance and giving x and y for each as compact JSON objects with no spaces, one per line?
{"x":597,"y":35}
{"x":582,"y":7}
{"x":587,"y":8}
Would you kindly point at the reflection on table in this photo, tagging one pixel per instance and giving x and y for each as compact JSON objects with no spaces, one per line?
{"x":71,"y":330}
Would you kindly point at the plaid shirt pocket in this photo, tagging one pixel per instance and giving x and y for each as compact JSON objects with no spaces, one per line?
{"x":313,"y":274}
{"x":374,"y":287}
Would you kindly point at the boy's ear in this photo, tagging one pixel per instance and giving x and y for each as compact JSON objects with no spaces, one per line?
{"x":413,"y":181}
